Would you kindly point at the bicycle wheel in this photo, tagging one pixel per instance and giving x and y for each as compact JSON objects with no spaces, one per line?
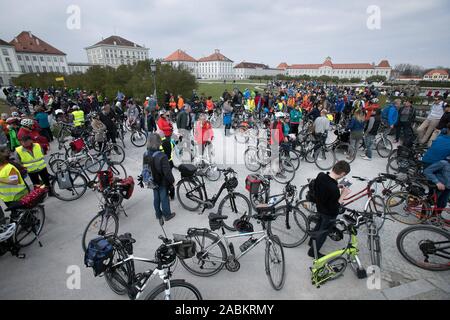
{"x":118,"y":277}
{"x":212,"y":174}
{"x":188,"y":191}
{"x":333,"y":269}
{"x":234,"y":205}
{"x":138,"y":138}
{"x":118,"y":170}
{"x":210,"y":256}
{"x":290,"y":226}
{"x":374,"y":248}
{"x":57,"y":164}
{"x":103,"y":224}
{"x":92,"y":165}
{"x":283,"y":172}
{"x":324,"y":158}
{"x":79,"y":187}
{"x":344,"y":151}
{"x":29,"y":226}
{"x":376,"y":206}
{"x":251,"y":159}
{"x":384,"y":148}
{"x":426,"y":247}
{"x":179,"y":290}
{"x":308,"y":152}
{"x":241,"y":135}
{"x":275,"y":263}
{"x":293,"y":157}
{"x":407,"y":208}
{"x":216,"y":121}
{"x":115,"y":153}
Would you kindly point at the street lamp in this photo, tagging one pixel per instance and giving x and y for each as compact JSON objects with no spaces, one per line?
{"x":153,"y":70}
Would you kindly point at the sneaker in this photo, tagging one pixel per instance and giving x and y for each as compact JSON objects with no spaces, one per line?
{"x":362,"y":155}
{"x":367,"y":158}
{"x":311,"y":254}
{"x":170,"y":217}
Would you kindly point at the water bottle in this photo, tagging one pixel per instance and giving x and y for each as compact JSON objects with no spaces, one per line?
{"x":247,"y":244}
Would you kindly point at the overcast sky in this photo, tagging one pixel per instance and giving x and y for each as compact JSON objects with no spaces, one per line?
{"x":267,"y":31}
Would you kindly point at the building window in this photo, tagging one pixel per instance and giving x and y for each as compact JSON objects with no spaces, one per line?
{"x":44,"y":68}
{"x":27,"y":58}
{"x":61,"y":59}
{"x":23,"y":69}
{"x":9,"y":64}
{"x":34,"y":58}
{"x":57,"y":69}
{"x":5,"y":52}
{"x":49,"y":59}
{"x":19,"y":58}
{"x":38,"y":69}
{"x":30,"y":69}
{"x":54,"y":59}
{"x":41,"y":58}
{"x":50,"y":68}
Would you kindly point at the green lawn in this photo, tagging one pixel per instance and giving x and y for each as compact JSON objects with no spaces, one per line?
{"x":216,"y":90}
{"x":4,"y":107}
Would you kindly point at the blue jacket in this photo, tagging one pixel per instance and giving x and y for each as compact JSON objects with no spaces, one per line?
{"x":340,"y":105}
{"x":439,"y":172}
{"x":390,"y":115}
{"x":355,"y":125}
{"x":439,"y":150}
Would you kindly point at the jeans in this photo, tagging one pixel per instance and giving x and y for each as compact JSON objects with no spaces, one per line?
{"x":323,"y":224}
{"x":403,"y":130}
{"x":355,"y":138}
{"x":37,"y":176}
{"x":369,"y":142}
{"x":443,"y":198}
{"x":161,"y":202}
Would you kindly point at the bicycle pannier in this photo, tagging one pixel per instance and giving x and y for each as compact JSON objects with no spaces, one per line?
{"x":98,"y":255}
{"x":187,"y":170}
{"x":64,"y":180}
{"x":77,"y":145}
{"x":252,"y":183}
{"x":34,"y":198}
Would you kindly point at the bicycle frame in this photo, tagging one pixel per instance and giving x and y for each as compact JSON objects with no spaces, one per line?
{"x":201,"y":186}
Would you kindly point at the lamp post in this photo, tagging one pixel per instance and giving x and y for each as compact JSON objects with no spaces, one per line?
{"x":153,"y":70}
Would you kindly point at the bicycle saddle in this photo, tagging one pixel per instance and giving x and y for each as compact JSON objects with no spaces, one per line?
{"x":216,"y":217}
{"x":126,"y":238}
{"x":389,"y":176}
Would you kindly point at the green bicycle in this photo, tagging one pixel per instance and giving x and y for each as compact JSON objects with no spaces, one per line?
{"x":334,"y":264}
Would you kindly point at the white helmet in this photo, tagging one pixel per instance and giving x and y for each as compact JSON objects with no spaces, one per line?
{"x":26,"y":123}
{"x":15,"y":114}
{"x":7,"y":231}
{"x":58,"y":112}
{"x":148,"y":98}
{"x":118,"y":104}
{"x":279,"y":115}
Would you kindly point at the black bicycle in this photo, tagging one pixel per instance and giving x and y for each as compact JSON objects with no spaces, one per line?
{"x":192,"y":193}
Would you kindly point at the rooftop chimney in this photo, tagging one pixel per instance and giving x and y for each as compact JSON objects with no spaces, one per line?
{"x":29,"y":33}
{"x":37,"y":42}
{"x":15,"y":39}
{"x":217,"y":51}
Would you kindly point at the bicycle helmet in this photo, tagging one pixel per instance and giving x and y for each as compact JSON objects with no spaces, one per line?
{"x":165,"y":255}
{"x":12,"y":120}
{"x":118,"y":104}
{"x":75,"y":107}
{"x":58,"y":112}
{"x":26,"y":123}
{"x":15,"y":114}
{"x":232,"y":183}
{"x":279,"y":115}
{"x":93,"y":115}
{"x":242,"y":226}
{"x":7,"y":231}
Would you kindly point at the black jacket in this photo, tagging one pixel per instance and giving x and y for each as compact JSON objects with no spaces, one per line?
{"x":108,"y":121}
{"x":327,"y":195}
{"x":444,"y":120}
{"x":160,"y":168}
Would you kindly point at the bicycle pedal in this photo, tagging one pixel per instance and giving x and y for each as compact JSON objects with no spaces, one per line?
{"x":361,"y":274}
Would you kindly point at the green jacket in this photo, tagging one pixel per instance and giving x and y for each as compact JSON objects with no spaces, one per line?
{"x":296,"y":116}
{"x":13,"y":139}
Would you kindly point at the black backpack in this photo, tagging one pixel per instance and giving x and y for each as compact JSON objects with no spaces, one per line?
{"x":98,"y":255}
{"x":311,"y":194}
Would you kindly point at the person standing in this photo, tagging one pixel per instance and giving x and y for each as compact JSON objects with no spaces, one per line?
{"x":203,"y":135}
{"x":227,"y":115}
{"x":31,"y":157}
{"x":371,"y":132}
{"x":442,"y":124}
{"x":329,"y":197}
{"x":164,"y":123}
{"x":296,"y":117}
{"x":389,"y":115}
{"x":406,"y":117}
{"x":427,"y":127}
{"x":42,"y":118}
{"x":78,"y":116}
{"x":107,"y":116}
{"x":99,"y":130}
{"x":356,"y":128}
{"x":162,"y":177}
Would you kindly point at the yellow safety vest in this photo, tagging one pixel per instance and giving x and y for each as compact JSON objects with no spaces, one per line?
{"x":33,"y":162}
{"x":171,"y":148}
{"x":11,"y":192}
{"x":280,"y":106}
{"x":78,"y":118}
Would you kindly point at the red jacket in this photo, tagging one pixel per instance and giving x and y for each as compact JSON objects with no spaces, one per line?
{"x":203,"y":133}
{"x":165,"y":126}
{"x":35,"y":136}
{"x":276,"y":134}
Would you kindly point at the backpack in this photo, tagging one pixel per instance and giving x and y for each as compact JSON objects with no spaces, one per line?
{"x":311,"y":194}
{"x":98,"y":255}
{"x":147,"y":177}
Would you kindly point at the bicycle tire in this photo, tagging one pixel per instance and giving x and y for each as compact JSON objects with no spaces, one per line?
{"x":375,"y":249}
{"x":261,"y":196}
{"x":401,"y":207}
{"x":119,"y":283}
{"x":271,"y":244}
{"x":212,"y":174}
{"x":384,"y":150}
{"x":423,"y":265}
{"x":234,"y":213}
{"x":177,"y":283}
{"x":115,"y":150}
{"x":137,"y":138}
{"x":324,"y":152}
{"x":118,"y":170}
{"x":104,"y":233}
{"x":344,"y":151}
{"x":377,"y":206}
{"x":251,"y":163}
{"x":293,"y":157}
{"x":81,"y":186}
{"x":240,"y":135}
{"x":200,"y":258}
{"x":28,"y":222}
{"x":287,"y":170}
{"x":290,"y":234}
{"x":198,"y":193}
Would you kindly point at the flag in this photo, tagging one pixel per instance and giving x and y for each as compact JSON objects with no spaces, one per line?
{"x":60,"y":79}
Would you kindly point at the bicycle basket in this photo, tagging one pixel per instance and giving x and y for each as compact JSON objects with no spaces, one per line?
{"x":105,"y":179}
{"x":232,"y":183}
{"x":252,"y":183}
{"x":77,"y":145}
{"x":127,"y":187}
{"x":34,"y":198}
{"x":187,"y":170}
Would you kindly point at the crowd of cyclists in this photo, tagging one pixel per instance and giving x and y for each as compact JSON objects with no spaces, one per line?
{"x":288,"y":114}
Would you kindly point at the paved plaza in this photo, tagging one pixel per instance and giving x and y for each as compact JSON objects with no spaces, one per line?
{"x":43,"y":274}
